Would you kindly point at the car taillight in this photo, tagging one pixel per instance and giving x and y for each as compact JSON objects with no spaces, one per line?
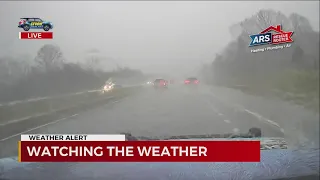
{"x":186,"y":81}
{"x":196,"y":81}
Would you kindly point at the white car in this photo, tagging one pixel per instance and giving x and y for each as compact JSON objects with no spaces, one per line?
{"x":149,"y":83}
{"x":108,"y":87}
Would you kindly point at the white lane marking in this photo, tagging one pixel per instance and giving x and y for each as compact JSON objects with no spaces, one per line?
{"x":261,"y":118}
{"x":43,"y":98}
{"x":43,"y":125}
{"x":227,"y":121}
{"x":240,"y":108}
{"x":22,"y":119}
{"x":40,"y":114}
{"x":29,"y":117}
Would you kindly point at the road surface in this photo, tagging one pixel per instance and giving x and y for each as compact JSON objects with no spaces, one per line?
{"x":176,"y":111}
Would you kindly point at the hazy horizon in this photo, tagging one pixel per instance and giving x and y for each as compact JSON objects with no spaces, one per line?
{"x":151,"y":36}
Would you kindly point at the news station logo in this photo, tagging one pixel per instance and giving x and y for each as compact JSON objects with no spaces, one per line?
{"x":278,"y":37}
{"x":35,"y":23}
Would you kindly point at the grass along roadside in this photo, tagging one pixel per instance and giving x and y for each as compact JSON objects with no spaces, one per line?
{"x":297,"y":86}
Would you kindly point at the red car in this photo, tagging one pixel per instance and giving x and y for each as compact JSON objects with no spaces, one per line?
{"x":160,"y":83}
{"x":191,"y":81}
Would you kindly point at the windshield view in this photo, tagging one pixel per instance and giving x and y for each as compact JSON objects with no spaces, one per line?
{"x":166,"y":71}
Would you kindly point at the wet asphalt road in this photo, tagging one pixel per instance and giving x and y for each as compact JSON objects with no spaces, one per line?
{"x":178,"y":110}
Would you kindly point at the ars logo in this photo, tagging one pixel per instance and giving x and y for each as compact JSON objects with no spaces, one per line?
{"x":266,"y":37}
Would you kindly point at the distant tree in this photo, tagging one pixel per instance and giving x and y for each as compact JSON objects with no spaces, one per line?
{"x":262,"y":20}
{"x":50,"y":57}
{"x":235,"y":30}
{"x":236,"y":62}
{"x":297,"y":55}
{"x":300,"y":23}
{"x":94,"y":60}
{"x":12,"y":69}
{"x":218,"y":58}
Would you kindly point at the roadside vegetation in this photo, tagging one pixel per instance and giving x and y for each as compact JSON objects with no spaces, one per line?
{"x":291,"y":74}
{"x":50,"y":74}
{"x":300,"y":87}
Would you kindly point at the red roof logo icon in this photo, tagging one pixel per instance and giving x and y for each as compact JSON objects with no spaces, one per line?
{"x":277,"y":29}
{"x":278,"y":36}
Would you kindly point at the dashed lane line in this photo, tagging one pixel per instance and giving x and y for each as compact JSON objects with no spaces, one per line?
{"x":240,"y":108}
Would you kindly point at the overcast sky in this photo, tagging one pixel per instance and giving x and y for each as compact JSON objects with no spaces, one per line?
{"x":152,"y":36}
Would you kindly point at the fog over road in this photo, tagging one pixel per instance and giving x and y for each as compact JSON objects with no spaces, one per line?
{"x":178,"y":110}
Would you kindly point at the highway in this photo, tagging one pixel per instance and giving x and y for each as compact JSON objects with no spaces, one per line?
{"x":178,"y":110}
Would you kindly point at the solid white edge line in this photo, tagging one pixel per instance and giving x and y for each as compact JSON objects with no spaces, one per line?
{"x":37,"y":115}
{"x":43,"y":125}
{"x":22,"y":119}
{"x":262,"y":118}
{"x":37,"y":127}
{"x":43,"y":98}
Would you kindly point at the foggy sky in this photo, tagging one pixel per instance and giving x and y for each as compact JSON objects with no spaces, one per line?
{"x":152,"y":36}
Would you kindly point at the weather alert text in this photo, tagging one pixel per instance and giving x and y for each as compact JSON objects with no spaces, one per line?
{"x":115,"y":148}
{"x":35,"y":35}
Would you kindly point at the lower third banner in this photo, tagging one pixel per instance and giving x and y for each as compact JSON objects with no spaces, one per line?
{"x":139,"y":151}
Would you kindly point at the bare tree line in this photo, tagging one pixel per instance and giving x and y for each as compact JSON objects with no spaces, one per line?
{"x":236,"y":64}
{"x":293,"y":70}
{"x":49,"y":73}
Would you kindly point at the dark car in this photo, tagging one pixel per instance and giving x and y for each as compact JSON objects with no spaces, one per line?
{"x":160,"y":83}
{"x":191,"y":81}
